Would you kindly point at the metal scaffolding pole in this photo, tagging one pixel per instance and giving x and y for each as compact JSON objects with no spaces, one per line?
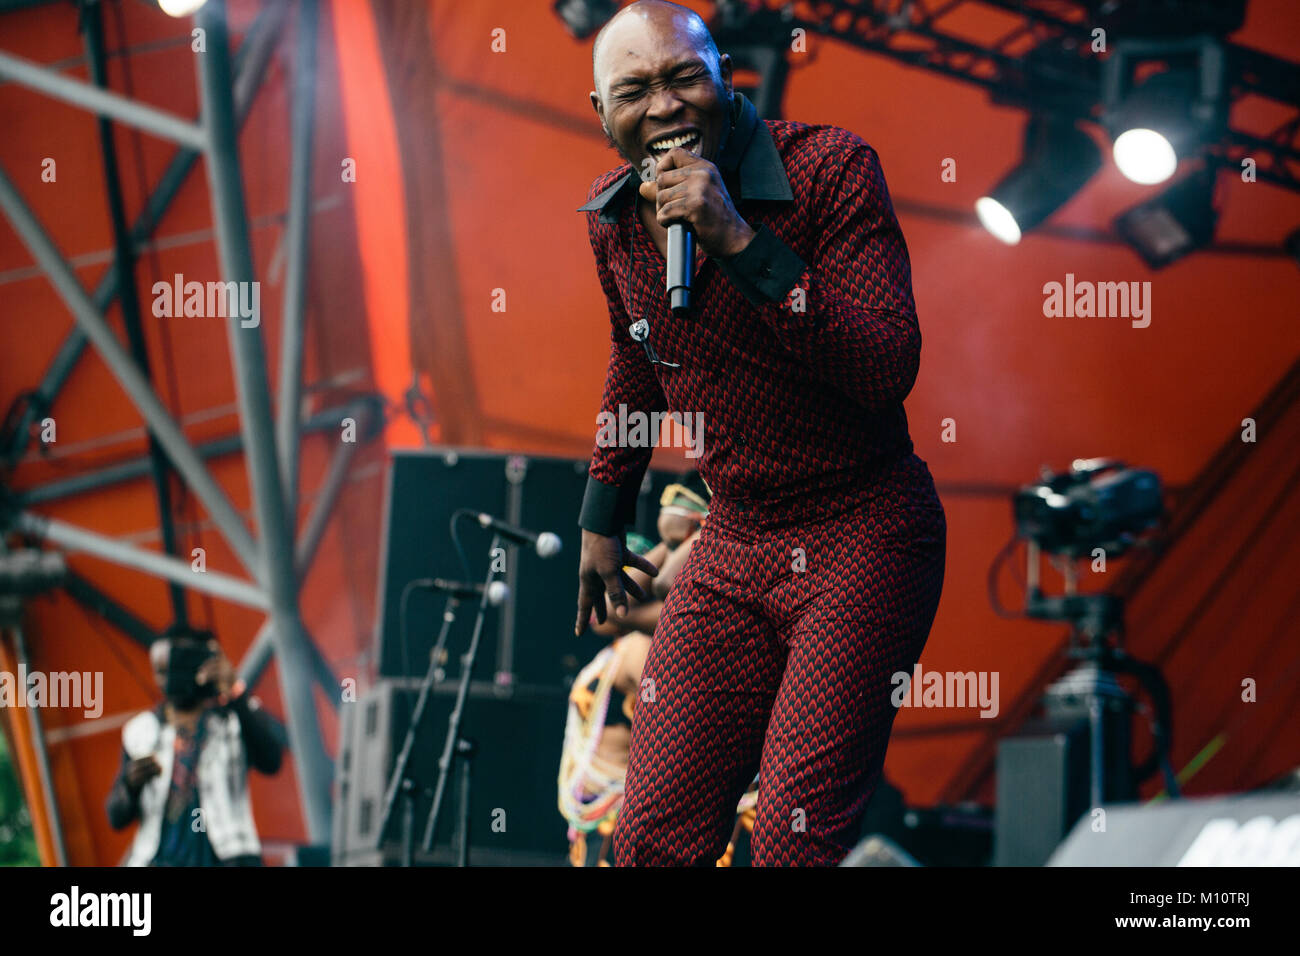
{"x":72,"y":538}
{"x":92,"y":18}
{"x":120,"y":108}
{"x":97,"y":602}
{"x":258,"y":655}
{"x":156,"y":416}
{"x":250,"y":65}
{"x":226,"y":188}
{"x":292,"y":319}
{"x":74,"y":485}
{"x":323,"y":507}
{"x":44,"y":773}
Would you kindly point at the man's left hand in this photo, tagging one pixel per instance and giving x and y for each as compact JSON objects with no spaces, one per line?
{"x":689,"y":190}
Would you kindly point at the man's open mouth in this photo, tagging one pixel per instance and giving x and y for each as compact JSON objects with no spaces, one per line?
{"x":689,"y":140}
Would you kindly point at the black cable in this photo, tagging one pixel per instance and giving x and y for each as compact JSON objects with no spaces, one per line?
{"x":455,"y":538}
{"x":32,"y":400}
{"x":97,"y":624}
{"x":185,"y":504}
{"x":402,"y":647}
{"x":992,"y":580}
{"x":412,"y":585}
{"x":1151,"y":680}
{"x":123,"y":266}
{"x":425,"y":582}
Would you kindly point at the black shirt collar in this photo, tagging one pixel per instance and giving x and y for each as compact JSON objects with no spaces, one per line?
{"x":748,"y":154}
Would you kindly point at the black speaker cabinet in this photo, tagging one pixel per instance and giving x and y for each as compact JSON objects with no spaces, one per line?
{"x":526,"y":662}
{"x":513,"y":814}
{"x":1042,"y":788}
{"x":529,"y":639}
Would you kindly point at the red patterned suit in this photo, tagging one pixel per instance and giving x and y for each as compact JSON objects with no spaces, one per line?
{"x":818,"y":572}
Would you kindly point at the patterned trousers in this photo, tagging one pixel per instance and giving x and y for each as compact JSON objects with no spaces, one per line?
{"x":774,"y":653}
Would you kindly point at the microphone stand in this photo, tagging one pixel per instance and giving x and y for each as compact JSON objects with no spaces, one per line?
{"x":400,"y":782}
{"x":454,"y":747}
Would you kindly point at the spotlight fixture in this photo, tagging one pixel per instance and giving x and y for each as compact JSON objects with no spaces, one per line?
{"x":1178,"y":221}
{"x":582,"y":18}
{"x":180,"y":8}
{"x":1161,"y":119}
{"x":1153,"y":127}
{"x":1058,"y":159}
{"x":758,"y":39}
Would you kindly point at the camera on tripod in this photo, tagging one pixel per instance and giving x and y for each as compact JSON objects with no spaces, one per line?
{"x":1099,"y":508}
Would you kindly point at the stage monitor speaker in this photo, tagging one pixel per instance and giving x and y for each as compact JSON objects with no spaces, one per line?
{"x":529,"y":639}
{"x":1217,"y":831}
{"x":513,"y":814}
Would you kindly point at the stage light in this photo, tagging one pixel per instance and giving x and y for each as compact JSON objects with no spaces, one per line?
{"x":1159,"y":121}
{"x":997,"y":219}
{"x":582,"y":18}
{"x":1058,"y":159}
{"x":1178,"y":221}
{"x":1155,"y":127}
{"x":180,"y":8}
{"x":1144,"y":156}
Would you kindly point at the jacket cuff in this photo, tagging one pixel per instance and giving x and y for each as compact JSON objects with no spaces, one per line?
{"x":608,"y":509}
{"x":765,"y":270}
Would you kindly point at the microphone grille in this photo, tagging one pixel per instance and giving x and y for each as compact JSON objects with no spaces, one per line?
{"x":497,"y":593}
{"x":548,"y":544}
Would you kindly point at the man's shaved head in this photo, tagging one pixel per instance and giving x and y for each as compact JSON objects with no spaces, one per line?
{"x":660,"y":83}
{"x":660,"y":14}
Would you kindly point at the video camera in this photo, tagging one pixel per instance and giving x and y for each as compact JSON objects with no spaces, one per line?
{"x":1098,"y":503}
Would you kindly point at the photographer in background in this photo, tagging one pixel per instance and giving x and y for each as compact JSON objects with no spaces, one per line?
{"x":184,"y":773}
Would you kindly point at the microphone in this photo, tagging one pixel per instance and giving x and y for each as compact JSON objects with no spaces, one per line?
{"x":681,"y":264}
{"x":497,"y":591}
{"x":544,"y":543}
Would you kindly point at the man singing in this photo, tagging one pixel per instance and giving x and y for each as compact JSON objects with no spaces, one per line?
{"x":818,"y":573}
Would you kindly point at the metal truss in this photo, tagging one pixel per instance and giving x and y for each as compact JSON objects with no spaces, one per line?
{"x":1043,"y":60}
{"x":278,"y":558}
{"x":251,"y":60}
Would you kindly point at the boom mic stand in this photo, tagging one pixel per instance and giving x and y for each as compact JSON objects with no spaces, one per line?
{"x":455,"y":748}
{"x":400,"y":782}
